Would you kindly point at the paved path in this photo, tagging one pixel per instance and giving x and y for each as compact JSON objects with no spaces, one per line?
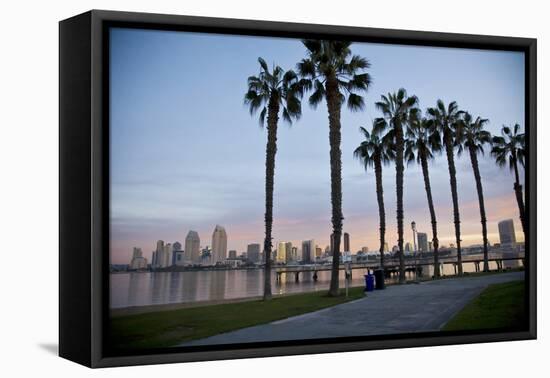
{"x":398,"y":309}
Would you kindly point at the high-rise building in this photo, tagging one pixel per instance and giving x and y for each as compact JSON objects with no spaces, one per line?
{"x":507,"y":234}
{"x":253,"y":252}
{"x":365,"y":250}
{"x":158,"y":255}
{"x":219,"y":244}
{"x":176,"y":247}
{"x":192,"y":247}
{"x":166,"y":256}
{"x":422,"y":241}
{"x":284,"y":252}
{"x":408,"y":247}
{"x":232,"y":254}
{"x":294,"y":254}
{"x":318,"y":251}
{"x":346,"y":242}
{"x":138,"y":261}
{"x":430,"y":246}
{"x":308,"y":254}
{"x":386,"y":247}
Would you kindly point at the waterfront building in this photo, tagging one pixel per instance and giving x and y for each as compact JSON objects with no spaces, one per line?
{"x":294,"y":254}
{"x":430,"y":246}
{"x":346,"y":242}
{"x":365,"y":250}
{"x":308,"y":256}
{"x":253,"y":252}
{"x":507,"y":234}
{"x":219,"y":245}
{"x":318,"y":251}
{"x":192,"y":247}
{"x":408,"y":247}
{"x":232,"y":254}
{"x":422,"y":241}
{"x":179,"y":258}
{"x":386,"y":247}
{"x":283,"y":252}
{"x":138,"y":262}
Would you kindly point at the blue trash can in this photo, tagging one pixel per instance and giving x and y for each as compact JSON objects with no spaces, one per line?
{"x":369,"y":282}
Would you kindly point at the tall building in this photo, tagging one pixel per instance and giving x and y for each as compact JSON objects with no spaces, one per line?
{"x":365,"y":250}
{"x":158,"y":255}
{"x":408,"y":247}
{"x":318,"y":251}
{"x":253,"y":252}
{"x":507,"y":234}
{"x":166,"y":256}
{"x":232,"y":254}
{"x":219,"y":244}
{"x":192,"y":247}
{"x":176,"y":247}
{"x":346,"y":242}
{"x":422,"y":241}
{"x":294,"y":254}
{"x":284,"y":252}
{"x":138,"y":261}
{"x":308,"y":252}
{"x":386,"y":247}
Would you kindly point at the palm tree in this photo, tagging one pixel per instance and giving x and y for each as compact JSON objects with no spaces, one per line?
{"x":397,"y":109}
{"x":423,"y":139}
{"x":375,"y":151}
{"x":272,"y":91}
{"x":470,"y":135}
{"x":445,"y":120}
{"x":510,"y":147}
{"x":334,"y":75}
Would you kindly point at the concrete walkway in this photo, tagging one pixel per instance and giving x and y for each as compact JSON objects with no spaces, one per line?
{"x":398,"y":309}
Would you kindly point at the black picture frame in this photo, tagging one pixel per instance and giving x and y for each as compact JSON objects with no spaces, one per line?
{"x":84,"y":182}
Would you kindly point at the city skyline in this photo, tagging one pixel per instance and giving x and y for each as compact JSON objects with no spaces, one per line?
{"x":176,"y":166}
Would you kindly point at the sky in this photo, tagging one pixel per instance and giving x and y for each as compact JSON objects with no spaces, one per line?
{"x":185,"y":153}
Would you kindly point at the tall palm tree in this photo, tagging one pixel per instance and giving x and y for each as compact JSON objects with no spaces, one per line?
{"x":375,"y":151}
{"x":397,"y":109}
{"x":471,"y":135}
{"x":273,"y":92}
{"x":334,"y":74}
{"x":445,"y":120}
{"x":423,"y":139}
{"x":510,"y":147}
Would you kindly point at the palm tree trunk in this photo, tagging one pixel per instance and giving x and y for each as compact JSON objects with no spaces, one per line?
{"x":381,"y":210}
{"x":271,"y":150}
{"x":399,"y":169}
{"x":454,"y":193}
{"x":479,"y":187}
{"x":519,"y":195}
{"x":428,"y":187}
{"x":334,"y":105}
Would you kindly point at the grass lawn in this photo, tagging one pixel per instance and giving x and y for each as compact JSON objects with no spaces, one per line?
{"x":168,"y":328}
{"x":498,"y":306}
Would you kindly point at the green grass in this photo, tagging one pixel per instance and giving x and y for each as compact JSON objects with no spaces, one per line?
{"x":170,"y":327}
{"x":498,"y":306}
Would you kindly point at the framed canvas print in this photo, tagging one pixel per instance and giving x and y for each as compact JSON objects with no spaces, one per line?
{"x":234,"y":188}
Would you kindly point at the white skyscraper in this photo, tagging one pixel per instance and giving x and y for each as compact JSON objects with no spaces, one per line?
{"x":192,"y":247}
{"x":138,"y":261}
{"x":219,"y":244}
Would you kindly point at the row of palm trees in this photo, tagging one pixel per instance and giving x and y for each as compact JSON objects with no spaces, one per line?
{"x":331,"y":73}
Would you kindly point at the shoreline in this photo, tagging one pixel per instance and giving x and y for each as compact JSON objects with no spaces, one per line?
{"x":137,"y":310}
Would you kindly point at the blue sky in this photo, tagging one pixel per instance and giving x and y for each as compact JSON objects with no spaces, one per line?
{"x":186,"y":154}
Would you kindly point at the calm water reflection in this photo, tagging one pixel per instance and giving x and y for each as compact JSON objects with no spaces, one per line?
{"x":140,"y":289}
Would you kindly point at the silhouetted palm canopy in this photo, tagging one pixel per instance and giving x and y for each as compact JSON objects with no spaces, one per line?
{"x":509,"y":147}
{"x":285,"y":88}
{"x":373,"y":147}
{"x":470,"y":134}
{"x":333,"y":59}
{"x":422,"y":138}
